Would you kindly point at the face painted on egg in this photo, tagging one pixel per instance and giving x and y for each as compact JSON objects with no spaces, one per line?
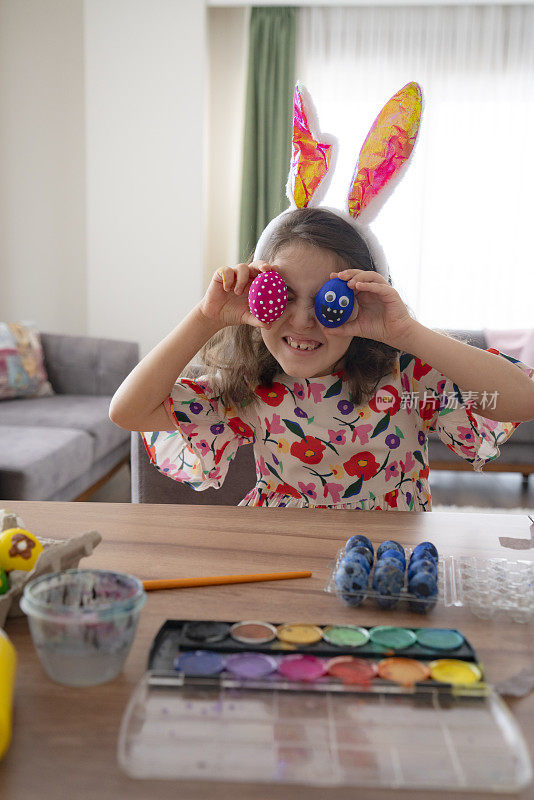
{"x":334,"y":303}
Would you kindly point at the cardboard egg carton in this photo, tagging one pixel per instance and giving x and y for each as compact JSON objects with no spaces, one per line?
{"x":57,"y":555}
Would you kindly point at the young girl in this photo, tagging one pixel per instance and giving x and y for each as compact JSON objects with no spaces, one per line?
{"x":338,"y":417}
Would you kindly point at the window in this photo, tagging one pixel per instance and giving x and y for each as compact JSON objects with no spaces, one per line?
{"x":457,"y":230}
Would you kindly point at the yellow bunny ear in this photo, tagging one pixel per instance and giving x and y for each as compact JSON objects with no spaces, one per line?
{"x":385,"y":151}
{"x":310,"y":159}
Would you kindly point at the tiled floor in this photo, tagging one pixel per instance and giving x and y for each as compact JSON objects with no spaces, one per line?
{"x":486,"y":490}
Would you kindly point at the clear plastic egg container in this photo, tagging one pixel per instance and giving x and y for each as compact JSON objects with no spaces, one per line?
{"x":489,"y":588}
{"x":405,"y":600}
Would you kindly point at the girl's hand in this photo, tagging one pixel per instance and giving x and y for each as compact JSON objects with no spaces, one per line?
{"x":226,"y":299}
{"x":381,"y":314}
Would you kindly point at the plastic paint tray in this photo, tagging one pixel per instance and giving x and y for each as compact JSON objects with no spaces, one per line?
{"x":383,"y":736}
{"x":490,"y":588}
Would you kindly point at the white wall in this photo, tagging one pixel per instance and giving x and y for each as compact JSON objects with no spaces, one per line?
{"x":103,"y":148}
{"x":42,"y":164}
{"x":145,"y":107}
{"x":228,"y":56}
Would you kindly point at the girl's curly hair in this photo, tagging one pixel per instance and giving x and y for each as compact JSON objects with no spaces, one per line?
{"x":238,"y":353}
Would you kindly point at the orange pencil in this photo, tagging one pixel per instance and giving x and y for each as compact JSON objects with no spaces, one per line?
{"x":184,"y":583}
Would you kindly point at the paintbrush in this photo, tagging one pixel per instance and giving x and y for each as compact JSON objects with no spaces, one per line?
{"x":186,"y":583}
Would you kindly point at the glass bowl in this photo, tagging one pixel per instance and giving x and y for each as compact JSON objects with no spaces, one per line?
{"x":83,"y":622}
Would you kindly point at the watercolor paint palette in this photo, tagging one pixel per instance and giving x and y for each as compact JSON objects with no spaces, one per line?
{"x":323,"y":641}
{"x":490,"y":588}
{"x":220,"y":722}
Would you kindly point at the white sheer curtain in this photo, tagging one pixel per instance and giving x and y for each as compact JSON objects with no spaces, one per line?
{"x":459,"y":230}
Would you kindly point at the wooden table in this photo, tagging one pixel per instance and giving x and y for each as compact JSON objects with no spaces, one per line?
{"x":65,"y":740}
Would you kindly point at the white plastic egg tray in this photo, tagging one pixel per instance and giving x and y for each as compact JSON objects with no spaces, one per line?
{"x":489,"y":588}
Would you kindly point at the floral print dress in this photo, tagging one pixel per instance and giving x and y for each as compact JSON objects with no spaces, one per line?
{"x":315,"y":448}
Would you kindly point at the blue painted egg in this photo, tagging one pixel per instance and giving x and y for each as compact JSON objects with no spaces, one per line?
{"x":351,"y":575}
{"x":361,"y":550}
{"x":353,"y":599}
{"x":334,"y":303}
{"x":426,"y":548}
{"x":359,"y":558}
{"x":422,"y":565}
{"x":359,"y":539}
{"x":424,"y":587}
{"x":423,"y":584}
{"x":391,"y":553}
{"x":389,"y":544}
{"x":390,"y":561}
{"x":351,"y":579}
{"x":388,"y":580}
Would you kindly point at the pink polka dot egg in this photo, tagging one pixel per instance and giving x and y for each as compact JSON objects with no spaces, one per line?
{"x":267,"y":296}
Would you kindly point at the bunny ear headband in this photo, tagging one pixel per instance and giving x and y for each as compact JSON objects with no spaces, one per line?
{"x":380,"y":166}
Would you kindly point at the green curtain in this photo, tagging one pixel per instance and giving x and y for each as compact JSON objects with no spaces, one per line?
{"x":268,"y":120}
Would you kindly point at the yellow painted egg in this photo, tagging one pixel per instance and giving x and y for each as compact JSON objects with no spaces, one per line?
{"x":19,"y":549}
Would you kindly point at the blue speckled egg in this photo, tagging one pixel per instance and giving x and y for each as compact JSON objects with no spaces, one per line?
{"x":422,"y":556}
{"x":388,"y":581}
{"x":360,"y":558}
{"x":334,"y":303}
{"x":389,"y":544}
{"x":425,"y":548}
{"x":422,"y":565}
{"x":422,"y":606}
{"x":424,"y":587}
{"x":363,"y":551}
{"x":359,"y":540}
{"x":351,"y":579}
{"x":400,"y":557}
{"x":354,"y":599}
{"x":387,"y":561}
{"x":351,"y":575}
{"x":423,"y":584}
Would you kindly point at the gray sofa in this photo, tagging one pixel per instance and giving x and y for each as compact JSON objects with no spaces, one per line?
{"x":64,"y":446}
{"x":150,"y":486}
{"x":517,"y":455}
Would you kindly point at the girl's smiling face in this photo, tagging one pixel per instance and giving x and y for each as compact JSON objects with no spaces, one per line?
{"x":303,"y":347}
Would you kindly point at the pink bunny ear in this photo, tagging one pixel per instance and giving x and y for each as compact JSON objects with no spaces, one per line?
{"x":310,"y":160}
{"x":385,"y":151}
